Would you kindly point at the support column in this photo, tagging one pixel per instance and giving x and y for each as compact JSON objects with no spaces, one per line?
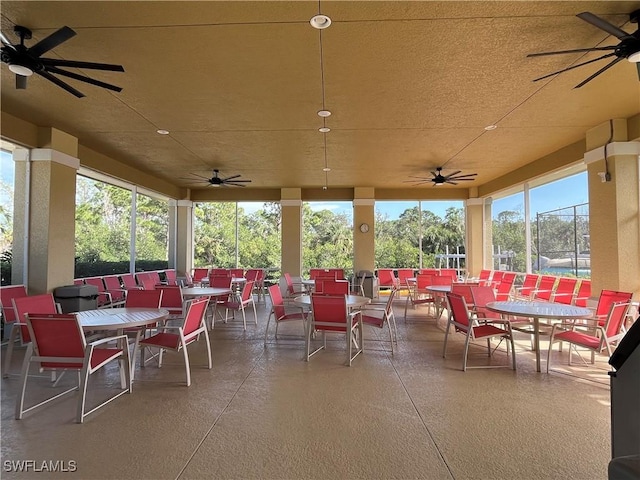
{"x":181,"y":236}
{"x":291,"y":231}
{"x":487,"y":257}
{"x":614,"y":208}
{"x":474,"y":242}
{"x":47,"y":214}
{"x":364,"y":255}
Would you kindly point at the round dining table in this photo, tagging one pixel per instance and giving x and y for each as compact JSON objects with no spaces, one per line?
{"x":205,"y":292}
{"x":537,"y":310}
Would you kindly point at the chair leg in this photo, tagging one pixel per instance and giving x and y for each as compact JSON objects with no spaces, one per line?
{"x":466,"y":352}
{"x":7,"y":357}
{"x":206,"y":338}
{"x":187,"y":367}
{"x":255,"y":315}
{"x":23,"y":380}
{"x":266,"y":330}
{"x":244,"y":318}
{"x":82,"y":390}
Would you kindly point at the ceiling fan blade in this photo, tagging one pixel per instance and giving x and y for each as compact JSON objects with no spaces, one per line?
{"x":573,"y":66}
{"x":434,"y":173}
{"x":237,"y":181}
{"x":6,"y":41}
{"x":603,"y":25}
{"x":195,"y":175}
{"x":60,"y":83}
{"x":21,"y":82}
{"x":77,"y":64}
{"x":84,"y":78}
{"x":450,"y":182}
{"x":468,"y":176}
{"x":453,"y":173}
{"x":52,"y":41}
{"x":231,"y":177}
{"x":231,"y":184}
{"x":606,"y":67}
{"x":575,"y":50}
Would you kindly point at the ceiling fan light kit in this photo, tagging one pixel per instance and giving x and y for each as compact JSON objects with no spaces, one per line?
{"x":629,"y":47}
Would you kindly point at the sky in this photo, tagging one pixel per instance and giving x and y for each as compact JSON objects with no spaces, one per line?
{"x":563,"y":193}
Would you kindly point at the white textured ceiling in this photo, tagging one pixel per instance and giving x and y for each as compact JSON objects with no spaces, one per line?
{"x":411,"y":86}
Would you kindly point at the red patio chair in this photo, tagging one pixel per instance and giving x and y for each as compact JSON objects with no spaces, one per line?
{"x":583,"y":294}
{"x":44,"y":303}
{"x":403,"y":275}
{"x":419,"y":295}
{"x":504,"y":289}
{"x":292,"y":292}
{"x":189,"y":332}
{"x":129,"y":282}
{"x":225,"y":272}
{"x":280,"y":313}
{"x":380,"y":315}
{"x":449,"y":272}
{"x":565,"y":290}
{"x":172,"y":301}
{"x":599,"y":338}
{"x":170,"y":277}
{"x":58,"y":343}
{"x":335,"y":287}
{"x":239,"y":302}
{"x":104,"y":297}
{"x":606,"y":299}
{"x":330,"y":314}
{"x":114,"y":289}
{"x":429,"y":271}
{"x":237,"y":272}
{"x":462,"y":322}
{"x":256,"y":275}
{"x":545,"y":288}
{"x":386,"y":278}
{"x":199,"y":274}
{"x":7,"y":294}
{"x":528,"y":286}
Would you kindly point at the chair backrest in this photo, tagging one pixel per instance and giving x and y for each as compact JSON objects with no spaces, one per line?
{"x":57,"y":335}
{"x":144,"y":299}
{"x":44,"y":303}
{"x":449,"y":272}
{"x":194,"y":317}
{"x":220,"y":281}
{"x":247,"y":290}
{"x":253,"y":273}
{"x":584,"y":293}
{"x":329,"y":312}
{"x":503,"y":291}
{"x":171,"y":277}
{"x":99,"y":283}
{"x":509,"y":278}
{"x":545,"y":287}
{"x":424,"y":280}
{"x":276,"y":301}
{"x":429,"y":271}
{"x":7,"y":294}
{"x":335,"y":287}
{"x":496,"y":278}
{"x":483,"y":294}
{"x":199,"y":274}
{"x":113,"y":287}
{"x":403,"y":274}
{"x":155,"y":276}
{"x":464,"y":290}
{"x":607,"y":298}
{"x":237,"y":272}
{"x":219,"y":278}
{"x":290,"y":288}
{"x":529,"y":284}
{"x":485,"y":274}
{"x":442,"y":280}
{"x":171,"y":297}
{"x":338,"y":273}
{"x":615,"y":318}
{"x":386,"y":277}
{"x":564,"y":291}
{"x":129,"y":281}
{"x":459,"y":311}
{"x":219,"y":271}
{"x":318,"y":285}
{"x":78,"y":281}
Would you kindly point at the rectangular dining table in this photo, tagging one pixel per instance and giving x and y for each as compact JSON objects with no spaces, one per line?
{"x":537,"y":310}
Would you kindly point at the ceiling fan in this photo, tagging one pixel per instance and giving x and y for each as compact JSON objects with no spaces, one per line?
{"x":629,"y":46}
{"x":217,"y":181}
{"x":439,"y":179}
{"x":25,"y":61}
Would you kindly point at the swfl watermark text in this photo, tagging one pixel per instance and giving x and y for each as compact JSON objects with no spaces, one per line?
{"x":18,"y":466}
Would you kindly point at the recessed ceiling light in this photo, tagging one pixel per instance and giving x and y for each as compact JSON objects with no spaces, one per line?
{"x":326,"y":169}
{"x":490,"y":127}
{"x":324,"y":188}
{"x":162,"y":132}
{"x":324,"y":129}
{"x":320,"y":22}
{"x":324,"y":113}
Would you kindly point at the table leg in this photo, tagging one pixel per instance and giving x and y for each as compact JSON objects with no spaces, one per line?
{"x":536,"y":341}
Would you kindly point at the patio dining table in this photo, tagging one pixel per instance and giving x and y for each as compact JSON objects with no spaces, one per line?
{"x":537,"y":310}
